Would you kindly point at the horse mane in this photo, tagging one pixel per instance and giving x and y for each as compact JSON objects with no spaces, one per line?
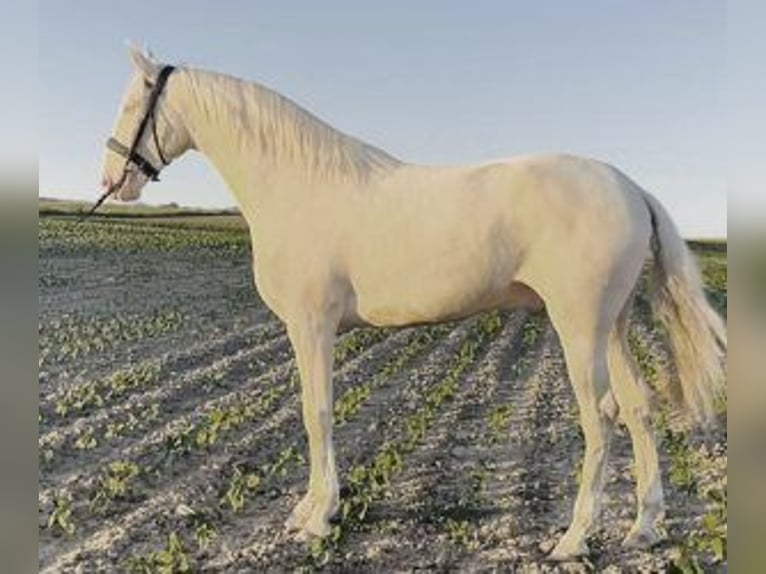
{"x":283,"y":132}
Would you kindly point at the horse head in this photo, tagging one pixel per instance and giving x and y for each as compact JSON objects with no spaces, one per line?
{"x":148,"y":134}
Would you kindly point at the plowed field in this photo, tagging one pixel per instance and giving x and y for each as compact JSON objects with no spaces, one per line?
{"x":170,"y":435}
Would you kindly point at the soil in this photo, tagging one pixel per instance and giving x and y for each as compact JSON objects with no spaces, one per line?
{"x":489,"y":487}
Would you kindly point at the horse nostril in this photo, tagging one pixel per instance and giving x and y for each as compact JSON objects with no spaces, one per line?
{"x":106,"y":182}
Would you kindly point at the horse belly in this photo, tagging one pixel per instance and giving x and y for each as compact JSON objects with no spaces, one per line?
{"x":425,"y":288}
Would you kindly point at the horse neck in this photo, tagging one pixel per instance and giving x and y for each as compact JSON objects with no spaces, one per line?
{"x":263,"y":144}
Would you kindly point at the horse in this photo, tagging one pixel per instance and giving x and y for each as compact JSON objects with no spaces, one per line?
{"x":344,"y":234}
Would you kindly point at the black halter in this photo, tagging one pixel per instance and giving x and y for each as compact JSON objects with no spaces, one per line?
{"x":131,"y":154}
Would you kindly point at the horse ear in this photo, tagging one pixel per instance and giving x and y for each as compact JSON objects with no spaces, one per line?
{"x":144,"y":63}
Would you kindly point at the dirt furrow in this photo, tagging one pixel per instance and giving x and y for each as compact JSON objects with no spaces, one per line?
{"x":199,"y":473}
{"x":60,"y":372}
{"x":199,"y":390}
{"x":250,"y":392}
{"x":82,"y":396}
{"x":101,"y":280}
{"x":62,"y":555}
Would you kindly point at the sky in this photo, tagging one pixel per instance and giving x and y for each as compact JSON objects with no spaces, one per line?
{"x":641,"y":85}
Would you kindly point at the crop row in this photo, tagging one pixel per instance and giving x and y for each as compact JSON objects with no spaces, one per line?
{"x":70,"y":337}
{"x":66,"y":233}
{"x":469,"y":498}
{"x":95,"y":394}
{"x":137,"y":413}
{"x":83,"y":396}
{"x":351,"y":400}
{"x":207,"y":431}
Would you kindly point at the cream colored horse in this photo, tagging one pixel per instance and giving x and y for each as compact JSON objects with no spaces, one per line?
{"x":344,"y":234}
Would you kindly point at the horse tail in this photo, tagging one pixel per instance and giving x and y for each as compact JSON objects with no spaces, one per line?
{"x":697,"y":333}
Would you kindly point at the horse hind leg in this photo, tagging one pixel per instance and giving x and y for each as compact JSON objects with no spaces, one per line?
{"x":585,"y":344}
{"x":632,"y":398}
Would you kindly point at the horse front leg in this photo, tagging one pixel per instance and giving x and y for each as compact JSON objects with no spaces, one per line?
{"x":312,"y":342}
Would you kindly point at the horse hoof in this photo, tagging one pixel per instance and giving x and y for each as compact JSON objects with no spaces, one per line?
{"x":302,"y":536}
{"x":300,"y":514}
{"x":568,"y":550}
{"x":642,"y":539}
{"x":307,"y":534}
{"x":293,"y":523}
{"x":316,"y":527}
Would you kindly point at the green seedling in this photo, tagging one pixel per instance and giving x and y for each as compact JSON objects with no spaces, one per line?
{"x":172,"y":560}
{"x":114,"y":484}
{"x":86,"y":439}
{"x":239,"y":485}
{"x":204,"y":534}
{"x":498,"y":422}
{"x":61,"y":517}
{"x":459,"y":532}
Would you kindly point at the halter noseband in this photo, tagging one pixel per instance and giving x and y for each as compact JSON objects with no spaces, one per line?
{"x":131,"y":153}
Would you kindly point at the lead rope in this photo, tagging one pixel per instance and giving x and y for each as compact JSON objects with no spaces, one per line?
{"x":112,"y":188}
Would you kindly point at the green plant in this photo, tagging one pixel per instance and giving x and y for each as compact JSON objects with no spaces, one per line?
{"x":685,"y":563}
{"x":114,"y":483}
{"x":416,"y":426}
{"x":646,"y":363}
{"x":126,"y":380}
{"x":61,"y":517}
{"x":286,"y":456}
{"x":217,"y":419}
{"x":320,"y":550}
{"x":498,"y":421}
{"x":86,"y":439}
{"x":350,"y":402}
{"x":239,"y":484}
{"x":492,"y":323}
{"x":204,"y":533}
{"x":683,"y":473}
{"x":714,"y":537}
{"x":353,"y":343}
{"x":72,"y":336}
{"x":479,"y":476}
{"x":173,"y":559}
{"x":459,"y":532}
{"x":78,"y":399}
{"x":710,"y":539}
{"x":531,"y":332}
